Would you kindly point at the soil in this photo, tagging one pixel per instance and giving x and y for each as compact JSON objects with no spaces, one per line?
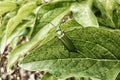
{"x":16,"y":73}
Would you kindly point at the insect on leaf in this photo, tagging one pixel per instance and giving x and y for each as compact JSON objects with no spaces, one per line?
{"x":97,"y":57}
{"x":45,"y":33}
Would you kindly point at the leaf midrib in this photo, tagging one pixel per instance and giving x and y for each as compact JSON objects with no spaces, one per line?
{"x":71,"y":59}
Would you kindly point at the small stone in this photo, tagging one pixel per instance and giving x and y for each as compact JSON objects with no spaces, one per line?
{"x":32,"y":77}
{"x":2,"y":70}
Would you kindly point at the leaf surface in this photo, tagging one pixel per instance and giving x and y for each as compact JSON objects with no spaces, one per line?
{"x":106,"y":12}
{"x":4,"y":20}
{"x":23,"y":12}
{"x":83,"y":14}
{"x":48,"y":12}
{"x":44,"y":34}
{"x":43,"y":30}
{"x":98,"y":55}
{"x":6,"y":6}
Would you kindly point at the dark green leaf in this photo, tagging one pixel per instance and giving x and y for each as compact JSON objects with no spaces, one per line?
{"x":116,"y":17}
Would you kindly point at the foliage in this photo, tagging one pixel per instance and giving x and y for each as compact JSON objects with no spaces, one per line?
{"x":91,"y":25}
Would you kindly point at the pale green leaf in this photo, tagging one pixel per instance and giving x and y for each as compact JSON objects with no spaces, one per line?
{"x":6,"y":6}
{"x":23,"y":12}
{"x":22,"y":29}
{"x":4,"y":20}
{"x":83,"y":14}
{"x":106,"y":8}
{"x":14,"y":42}
{"x":97,"y":57}
{"x":118,"y":1}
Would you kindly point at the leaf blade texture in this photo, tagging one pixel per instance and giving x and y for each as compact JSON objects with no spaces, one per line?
{"x":95,"y":57}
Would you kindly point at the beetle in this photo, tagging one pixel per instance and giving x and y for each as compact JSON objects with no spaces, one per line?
{"x":64,"y":39}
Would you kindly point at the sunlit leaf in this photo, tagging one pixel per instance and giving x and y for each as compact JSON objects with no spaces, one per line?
{"x":23,"y":12}
{"x":6,"y":6}
{"x":106,"y":8}
{"x":83,"y":14}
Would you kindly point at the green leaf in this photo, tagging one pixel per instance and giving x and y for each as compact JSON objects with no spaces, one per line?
{"x":69,"y":25}
{"x":46,"y":33}
{"x":43,"y":31}
{"x":118,"y":1}
{"x":97,"y":57}
{"x":57,"y":4}
{"x":116,"y":17}
{"x":23,"y":12}
{"x":44,"y":19}
{"x":6,"y":6}
{"x":4,"y":20}
{"x":22,"y":29}
{"x":48,"y":12}
{"x":14,"y":42}
{"x":106,"y":8}
{"x":83,"y":14}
